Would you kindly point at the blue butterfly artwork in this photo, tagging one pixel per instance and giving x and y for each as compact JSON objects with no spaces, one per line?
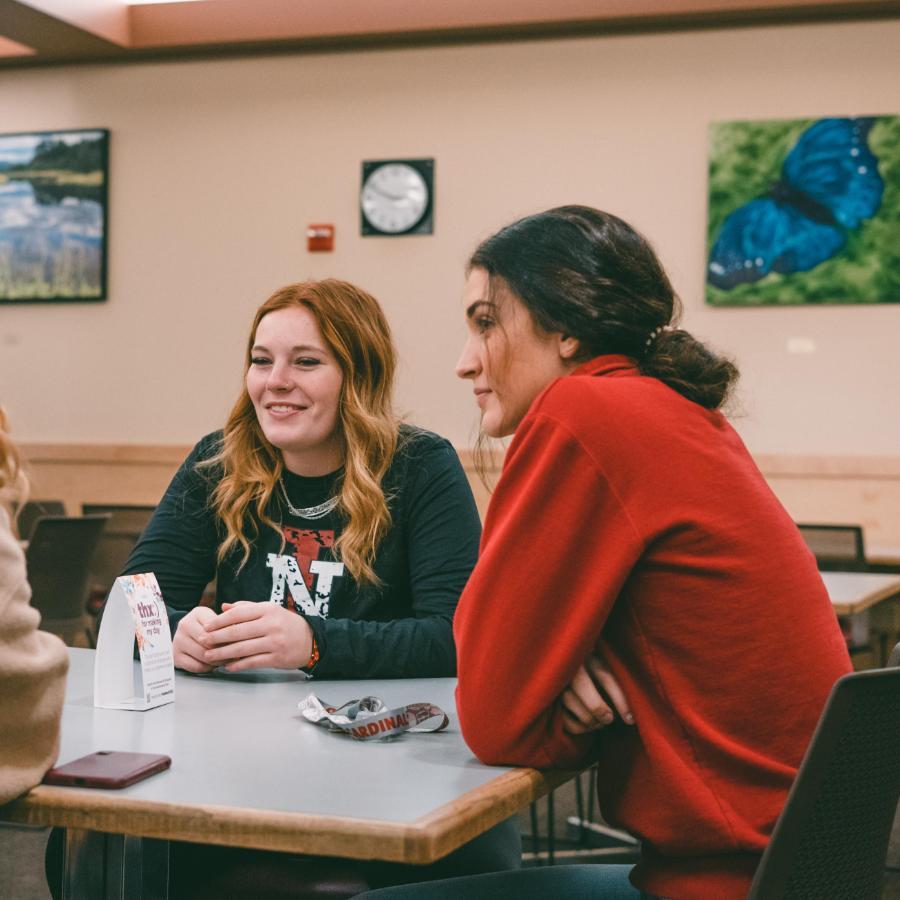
{"x":828,"y":186}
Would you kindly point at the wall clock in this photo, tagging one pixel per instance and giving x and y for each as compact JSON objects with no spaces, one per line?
{"x":397,"y":197}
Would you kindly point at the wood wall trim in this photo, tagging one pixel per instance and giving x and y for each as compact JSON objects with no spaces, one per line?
{"x":106,"y":454}
{"x":829,"y":466}
{"x":857,"y":489}
{"x":782,"y":465}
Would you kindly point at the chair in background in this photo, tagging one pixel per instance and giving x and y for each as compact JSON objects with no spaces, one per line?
{"x":837,"y":548}
{"x":116,"y":543}
{"x":831,"y":839}
{"x":59,"y":557}
{"x":840,"y":548}
{"x":32,"y":510}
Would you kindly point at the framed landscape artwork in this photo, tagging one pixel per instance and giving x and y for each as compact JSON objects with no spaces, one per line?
{"x":53,"y":216}
{"x":804,"y":211}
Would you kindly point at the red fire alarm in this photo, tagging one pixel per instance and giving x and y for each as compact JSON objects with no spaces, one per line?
{"x":320,"y":238}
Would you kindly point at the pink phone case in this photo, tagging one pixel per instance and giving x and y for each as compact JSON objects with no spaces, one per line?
{"x":108,"y":769}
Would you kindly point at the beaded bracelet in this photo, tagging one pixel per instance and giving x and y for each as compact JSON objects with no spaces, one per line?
{"x":313,"y":656}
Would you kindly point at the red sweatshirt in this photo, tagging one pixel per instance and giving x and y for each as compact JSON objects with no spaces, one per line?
{"x":629,"y":518}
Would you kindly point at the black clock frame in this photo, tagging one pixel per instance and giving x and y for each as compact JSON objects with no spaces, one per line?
{"x":425,"y":225}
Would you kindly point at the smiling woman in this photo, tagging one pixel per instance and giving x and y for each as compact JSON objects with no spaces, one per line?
{"x":338,"y":538}
{"x":295,"y":383}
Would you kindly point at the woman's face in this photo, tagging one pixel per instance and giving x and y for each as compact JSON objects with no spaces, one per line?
{"x":508,"y":361}
{"x":294,"y":381}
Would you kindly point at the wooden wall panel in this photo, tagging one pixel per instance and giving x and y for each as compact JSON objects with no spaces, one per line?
{"x":864,"y":490}
{"x":841,"y":490}
{"x":100,"y":473}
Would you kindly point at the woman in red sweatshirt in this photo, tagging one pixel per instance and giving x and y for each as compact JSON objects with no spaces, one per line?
{"x":631,"y":539}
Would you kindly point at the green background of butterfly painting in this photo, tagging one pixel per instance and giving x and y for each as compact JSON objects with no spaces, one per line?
{"x":746,"y":158}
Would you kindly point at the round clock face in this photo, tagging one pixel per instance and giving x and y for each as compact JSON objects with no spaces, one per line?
{"x":394,"y":197}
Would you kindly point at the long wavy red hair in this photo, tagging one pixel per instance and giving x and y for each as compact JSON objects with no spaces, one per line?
{"x":355,"y":328}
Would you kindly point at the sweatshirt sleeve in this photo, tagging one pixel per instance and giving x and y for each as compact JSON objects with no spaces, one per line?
{"x":33,"y":666}
{"x":180,"y":542}
{"x":557,"y":549}
{"x":441,"y":528}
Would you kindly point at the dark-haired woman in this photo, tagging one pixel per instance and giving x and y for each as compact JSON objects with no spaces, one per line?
{"x":631,"y":546}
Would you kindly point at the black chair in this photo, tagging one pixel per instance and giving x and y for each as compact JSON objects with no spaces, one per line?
{"x":129,"y":519}
{"x":124,"y":527}
{"x":837,"y":548}
{"x":59,"y":556}
{"x":32,"y":510}
{"x":831,"y":839}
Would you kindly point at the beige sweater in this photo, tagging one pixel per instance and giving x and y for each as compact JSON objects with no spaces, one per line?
{"x":33,"y":666}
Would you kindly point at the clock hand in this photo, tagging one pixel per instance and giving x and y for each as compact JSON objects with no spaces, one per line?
{"x":387,"y":194}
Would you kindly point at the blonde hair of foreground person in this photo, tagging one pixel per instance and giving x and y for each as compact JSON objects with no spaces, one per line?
{"x":33,"y":664}
{"x":357,"y":332}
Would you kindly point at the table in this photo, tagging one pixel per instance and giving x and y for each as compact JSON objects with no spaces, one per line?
{"x":248,"y":771}
{"x":883,"y":557}
{"x":855,"y":592}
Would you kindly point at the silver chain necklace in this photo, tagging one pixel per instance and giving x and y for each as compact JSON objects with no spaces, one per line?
{"x":309,"y":512}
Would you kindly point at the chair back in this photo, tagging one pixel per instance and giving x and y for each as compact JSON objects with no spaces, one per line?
{"x":124,"y":527}
{"x":32,"y":510}
{"x":59,"y":557}
{"x":836,"y":547}
{"x":831,"y":839}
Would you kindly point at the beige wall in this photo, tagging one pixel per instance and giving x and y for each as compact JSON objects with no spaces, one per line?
{"x":218,"y":166}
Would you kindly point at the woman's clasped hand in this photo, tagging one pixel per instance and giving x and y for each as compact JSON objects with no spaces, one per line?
{"x":244,"y":636}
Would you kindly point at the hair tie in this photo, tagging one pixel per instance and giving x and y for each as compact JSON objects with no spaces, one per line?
{"x":657,"y":332}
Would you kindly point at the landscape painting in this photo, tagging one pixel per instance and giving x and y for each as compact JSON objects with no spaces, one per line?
{"x":804,"y":211}
{"x":53,"y":214}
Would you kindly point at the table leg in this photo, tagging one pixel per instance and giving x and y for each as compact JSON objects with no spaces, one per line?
{"x":136,"y":868}
{"x":885,"y":622}
{"x":82,"y":868}
{"x":114,"y":867}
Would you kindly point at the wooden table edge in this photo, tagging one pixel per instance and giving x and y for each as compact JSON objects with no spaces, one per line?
{"x":456,"y":823}
{"x":423,"y":841}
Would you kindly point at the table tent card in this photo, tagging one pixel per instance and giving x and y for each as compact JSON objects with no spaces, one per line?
{"x":134,"y":611}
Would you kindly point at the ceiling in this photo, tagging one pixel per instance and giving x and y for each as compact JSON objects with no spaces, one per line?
{"x":44,"y":32}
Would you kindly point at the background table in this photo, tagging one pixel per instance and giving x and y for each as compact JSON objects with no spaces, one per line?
{"x":856,"y":592}
{"x":883,"y":557}
{"x":248,"y":771}
{"x":853,"y":592}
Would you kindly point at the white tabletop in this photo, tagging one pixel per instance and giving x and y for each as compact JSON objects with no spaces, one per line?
{"x":853,"y":592}
{"x":247,"y":770}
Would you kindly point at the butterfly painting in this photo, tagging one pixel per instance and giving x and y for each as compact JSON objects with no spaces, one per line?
{"x":805,"y":212}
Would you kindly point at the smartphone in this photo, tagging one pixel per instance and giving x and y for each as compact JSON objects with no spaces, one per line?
{"x":108,"y":769}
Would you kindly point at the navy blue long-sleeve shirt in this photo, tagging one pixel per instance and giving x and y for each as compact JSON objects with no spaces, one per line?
{"x":401,"y":627}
